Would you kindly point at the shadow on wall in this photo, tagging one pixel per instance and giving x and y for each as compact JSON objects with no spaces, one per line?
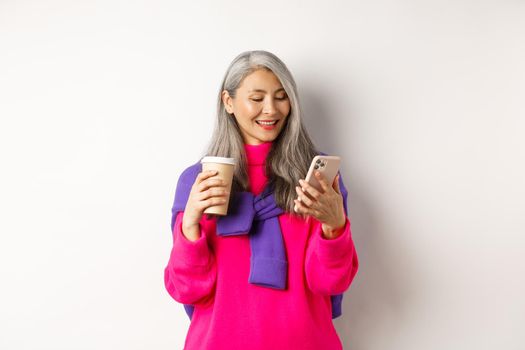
{"x":379,"y":296}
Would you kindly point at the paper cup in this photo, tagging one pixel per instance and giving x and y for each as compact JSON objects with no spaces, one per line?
{"x":224,"y":167}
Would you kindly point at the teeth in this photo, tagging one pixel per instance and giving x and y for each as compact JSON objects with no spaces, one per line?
{"x":266,"y":123}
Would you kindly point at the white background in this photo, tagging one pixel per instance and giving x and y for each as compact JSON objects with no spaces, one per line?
{"x":104,"y":103}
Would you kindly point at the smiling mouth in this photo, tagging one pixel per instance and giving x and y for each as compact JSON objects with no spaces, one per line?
{"x":266,"y":123}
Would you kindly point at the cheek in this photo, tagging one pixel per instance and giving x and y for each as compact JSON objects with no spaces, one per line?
{"x":285,"y":109}
{"x":249,"y":110}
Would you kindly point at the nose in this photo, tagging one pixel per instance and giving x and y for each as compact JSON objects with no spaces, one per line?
{"x":269,"y":107}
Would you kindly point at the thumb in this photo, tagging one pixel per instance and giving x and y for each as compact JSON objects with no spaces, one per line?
{"x":336,"y":184}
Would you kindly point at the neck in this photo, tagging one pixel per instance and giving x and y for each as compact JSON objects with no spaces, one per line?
{"x":256,"y":154}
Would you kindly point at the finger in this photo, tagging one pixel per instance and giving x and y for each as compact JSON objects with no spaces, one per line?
{"x":209,"y":173}
{"x":213,"y":182}
{"x":212,"y":202}
{"x":300,"y":208}
{"x":309,"y":189}
{"x":214,"y":192}
{"x":302,"y":197}
{"x":206,"y":174}
{"x":322,"y":180}
{"x":296,"y":207}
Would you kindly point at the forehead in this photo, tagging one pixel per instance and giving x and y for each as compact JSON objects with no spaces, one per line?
{"x":261,"y":80}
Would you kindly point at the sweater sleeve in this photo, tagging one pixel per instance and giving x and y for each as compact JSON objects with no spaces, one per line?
{"x":331,"y":264}
{"x":191,"y":272}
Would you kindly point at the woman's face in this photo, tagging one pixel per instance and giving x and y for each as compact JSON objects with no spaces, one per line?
{"x":260,"y":97}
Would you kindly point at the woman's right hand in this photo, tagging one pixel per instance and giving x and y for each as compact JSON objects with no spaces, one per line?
{"x":205,"y":192}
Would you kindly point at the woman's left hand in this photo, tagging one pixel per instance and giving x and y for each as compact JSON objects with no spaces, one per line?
{"x":326,"y":206}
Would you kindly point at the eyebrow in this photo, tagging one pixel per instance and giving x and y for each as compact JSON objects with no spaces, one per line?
{"x":260,"y":90}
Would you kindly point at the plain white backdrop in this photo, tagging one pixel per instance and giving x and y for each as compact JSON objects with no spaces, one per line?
{"x":104,"y":103}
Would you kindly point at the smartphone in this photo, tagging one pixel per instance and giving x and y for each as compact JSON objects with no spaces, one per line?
{"x":327,"y":165}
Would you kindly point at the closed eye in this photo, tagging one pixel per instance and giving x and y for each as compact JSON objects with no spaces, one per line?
{"x":277,"y":98}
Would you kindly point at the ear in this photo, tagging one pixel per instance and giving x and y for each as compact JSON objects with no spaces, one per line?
{"x":227,"y":101}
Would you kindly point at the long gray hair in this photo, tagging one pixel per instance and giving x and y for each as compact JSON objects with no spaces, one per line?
{"x":292,"y":150}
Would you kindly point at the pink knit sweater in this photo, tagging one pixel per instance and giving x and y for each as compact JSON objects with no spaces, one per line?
{"x":231,"y":313}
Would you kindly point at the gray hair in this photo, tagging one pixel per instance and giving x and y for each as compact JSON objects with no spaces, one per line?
{"x":292,"y":150}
